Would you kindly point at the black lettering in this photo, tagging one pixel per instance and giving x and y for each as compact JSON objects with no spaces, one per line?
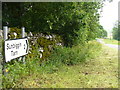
{"x":13,"y":45}
{"x":11,"y":53}
{"x":14,"y":53}
{"x":17,"y":45}
{"x":20,"y":44}
{"x":7,"y":46}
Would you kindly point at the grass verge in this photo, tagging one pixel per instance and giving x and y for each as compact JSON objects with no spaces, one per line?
{"x":111,"y":41}
{"x":90,"y":74}
{"x":57,"y":72}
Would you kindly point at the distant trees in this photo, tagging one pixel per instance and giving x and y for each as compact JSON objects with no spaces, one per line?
{"x":102,"y":32}
{"x":116,"y":31}
{"x":75,"y":22}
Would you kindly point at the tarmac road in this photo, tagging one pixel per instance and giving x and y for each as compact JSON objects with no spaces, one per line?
{"x":109,"y":45}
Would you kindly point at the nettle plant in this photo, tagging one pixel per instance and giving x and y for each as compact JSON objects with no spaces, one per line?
{"x":40,"y":45}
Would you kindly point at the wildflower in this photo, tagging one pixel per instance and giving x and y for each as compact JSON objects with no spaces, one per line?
{"x":6,"y":70}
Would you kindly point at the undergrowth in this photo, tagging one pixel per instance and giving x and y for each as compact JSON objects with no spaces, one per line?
{"x":19,"y":70}
{"x":74,"y":55}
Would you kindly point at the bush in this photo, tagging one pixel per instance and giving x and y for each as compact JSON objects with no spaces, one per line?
{"x":18,"y":71}
{"x":14,"y":30}
{"x":76,"y":54}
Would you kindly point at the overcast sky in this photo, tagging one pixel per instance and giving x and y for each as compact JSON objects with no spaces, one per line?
{"x":109,"y":15}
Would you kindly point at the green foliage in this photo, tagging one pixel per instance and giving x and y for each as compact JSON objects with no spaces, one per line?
{"x":102,"y":32}
{"x":12,"y":13}
{"x":75,"y":22}
{"x":17,"y":70}
{"x":38,"y":42}
{"x":116,"y":31}
{"x":14,"y":30}
{"x":74,"y":55}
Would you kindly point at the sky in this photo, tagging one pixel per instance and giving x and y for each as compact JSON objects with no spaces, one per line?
{"x":109,"y":15}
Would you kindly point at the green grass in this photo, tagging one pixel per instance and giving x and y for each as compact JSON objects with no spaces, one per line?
{"x":101,"y":72}
{"x":111,"y":41}
{"x":98,"y":72}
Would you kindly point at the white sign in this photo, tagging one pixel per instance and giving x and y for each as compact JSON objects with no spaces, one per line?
{"x":15,"y":48}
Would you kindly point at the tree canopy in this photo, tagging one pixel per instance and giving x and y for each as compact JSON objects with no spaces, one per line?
{"x":75,"y":22}
{"x":102,"y":32}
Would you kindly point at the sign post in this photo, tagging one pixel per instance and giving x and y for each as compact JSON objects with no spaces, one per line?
{"x":15,"y":48}
{"x":23,"y":36}
{"x":5,"y":37}
{"x":5,"y":31}
{"x":23,"y":32}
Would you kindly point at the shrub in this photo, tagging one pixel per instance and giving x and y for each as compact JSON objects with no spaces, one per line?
{"x":14,"y":30}
{"x":18,"y":71}
{"x":74,"y":55}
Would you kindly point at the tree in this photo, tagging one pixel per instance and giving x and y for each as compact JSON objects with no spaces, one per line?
{"x":102,"y":32}
{"x":75,"y":22}
{"x":116,"y":31}
{"x":12,"y":14}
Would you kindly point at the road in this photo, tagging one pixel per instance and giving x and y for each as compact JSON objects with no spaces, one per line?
{"x":109,"y":45}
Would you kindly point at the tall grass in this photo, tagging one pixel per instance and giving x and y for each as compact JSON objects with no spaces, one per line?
{"x":76,"y":54}
{"x":17,"y":71}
